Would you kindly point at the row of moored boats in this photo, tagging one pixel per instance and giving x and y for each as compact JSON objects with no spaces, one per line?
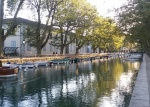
{"x":8,"y":69}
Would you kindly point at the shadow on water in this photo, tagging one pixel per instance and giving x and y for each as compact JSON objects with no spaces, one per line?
{"x":102,"y":83}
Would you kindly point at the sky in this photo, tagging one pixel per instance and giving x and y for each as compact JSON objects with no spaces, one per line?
{"x":106,"y":7}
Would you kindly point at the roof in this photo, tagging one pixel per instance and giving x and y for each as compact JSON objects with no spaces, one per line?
{"x":21,"y":21}
{"x":18,"y":20}
{"x":26,"y":22}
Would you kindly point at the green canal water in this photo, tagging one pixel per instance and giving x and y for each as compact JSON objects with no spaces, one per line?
{"x":100,"y":83}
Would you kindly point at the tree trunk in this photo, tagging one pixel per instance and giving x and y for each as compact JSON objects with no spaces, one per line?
{"x":1,"y":22}
{"x":94,"y":49}
{"x":39,"y":51}
{"x":1,"y":48}
{"x":99,"y":50}
{"x":39,"y":44}
{"x":61,"y":50}
{"x":77,"y":51}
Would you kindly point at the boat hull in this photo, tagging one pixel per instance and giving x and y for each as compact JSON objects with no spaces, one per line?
{"x":8,"y":72}
{"x":59,"y":61}
{"x":132,"y":59}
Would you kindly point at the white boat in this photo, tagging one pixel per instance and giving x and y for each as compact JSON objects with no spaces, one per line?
{"x":11,"y":65}
{"x":133,"y":57}
{"x":29,"y":65}
{"x":41,"y":63}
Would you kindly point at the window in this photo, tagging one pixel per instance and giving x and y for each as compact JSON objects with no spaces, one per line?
{"x":44,"y":48}
{"x":13,"y":43}
{"x":28,"y":47}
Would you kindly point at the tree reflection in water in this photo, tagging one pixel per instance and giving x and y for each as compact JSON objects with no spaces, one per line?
{"x":85,"y":84}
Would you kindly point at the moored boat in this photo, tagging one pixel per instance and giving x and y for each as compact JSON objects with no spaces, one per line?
{"x":8,"y":72}
{"x":10,"y":65}
{"x":29,"y":65}
{"x":41,"y":63}
{"x":77,"y":60}
{"x":60,"y":61}
{"x":133,"y":57}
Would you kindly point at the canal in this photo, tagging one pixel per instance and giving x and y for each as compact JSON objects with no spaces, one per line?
{"x":100,"y":83}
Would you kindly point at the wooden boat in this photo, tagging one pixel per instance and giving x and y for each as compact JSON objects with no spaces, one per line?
{"x":10,"y":65}
{"x":8,"y":72}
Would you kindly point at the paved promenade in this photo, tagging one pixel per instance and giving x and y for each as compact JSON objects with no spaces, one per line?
{"x":141,"y":92}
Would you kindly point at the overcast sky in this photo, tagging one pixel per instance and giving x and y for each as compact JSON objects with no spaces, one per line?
{"x":106,"y":7}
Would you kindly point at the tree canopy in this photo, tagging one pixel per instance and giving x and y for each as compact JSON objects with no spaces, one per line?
{"x":70,"y":21}
{"x":134,"y":21}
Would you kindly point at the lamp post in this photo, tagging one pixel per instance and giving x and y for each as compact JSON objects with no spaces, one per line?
{"x":22,"y":44}
{"x":20,"y":40}
{"x":23,"y":41}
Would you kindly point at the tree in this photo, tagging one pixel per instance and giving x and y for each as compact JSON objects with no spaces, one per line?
{"x":134,"y":21}
{"x":13,"y":6}
{"x":1,"y":22}
{"x":96,"y":30}
{"x":38,"y":35}
{"x":87,"y":15}
{"x":66,"y":21}
{"x":106,"y":35}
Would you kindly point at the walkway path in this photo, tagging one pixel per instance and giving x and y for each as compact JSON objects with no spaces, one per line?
{"x":140,"y":96}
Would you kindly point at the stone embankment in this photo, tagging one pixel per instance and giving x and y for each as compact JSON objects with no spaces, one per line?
{"x":140,"y":95}
{"x":46,"y":58}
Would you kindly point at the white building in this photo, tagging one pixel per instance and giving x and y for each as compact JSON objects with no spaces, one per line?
{"x":24,"y":49}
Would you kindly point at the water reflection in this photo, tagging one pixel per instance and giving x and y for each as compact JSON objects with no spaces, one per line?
{"x":86,"y":84}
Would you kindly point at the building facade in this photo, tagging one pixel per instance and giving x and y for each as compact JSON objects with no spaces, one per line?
{"x":24,"y":49}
